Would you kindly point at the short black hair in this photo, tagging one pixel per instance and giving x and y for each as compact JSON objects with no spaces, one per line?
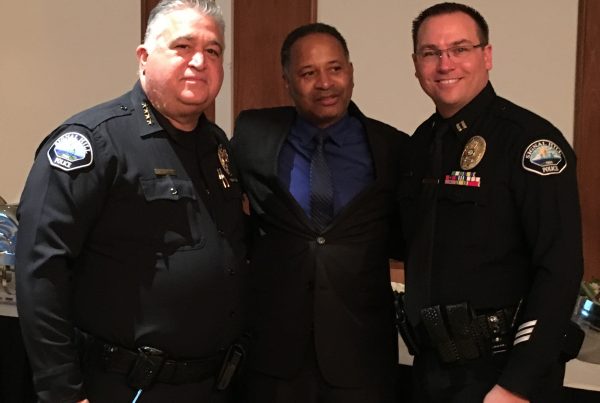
{"x":304,"y":30}
{"x":449,"y":8}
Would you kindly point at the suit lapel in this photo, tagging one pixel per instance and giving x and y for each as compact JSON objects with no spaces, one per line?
{"x":280,"y":127}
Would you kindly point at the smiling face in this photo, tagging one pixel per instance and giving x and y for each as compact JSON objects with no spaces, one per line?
{"x":181,"y":67}
{"x":319,"y":79}
{"x":451,"y":83}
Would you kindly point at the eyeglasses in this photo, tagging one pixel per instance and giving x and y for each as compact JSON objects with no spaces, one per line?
{"x":455,"y":53}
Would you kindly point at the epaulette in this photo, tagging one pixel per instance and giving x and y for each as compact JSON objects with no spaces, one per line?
{"x":543,"y":145}
{"x":520,"y":116}
{"x":92,"y":117}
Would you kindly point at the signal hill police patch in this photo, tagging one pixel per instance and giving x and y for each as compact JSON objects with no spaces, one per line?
{"x":71,"y":151}
{"x":544,"y":157}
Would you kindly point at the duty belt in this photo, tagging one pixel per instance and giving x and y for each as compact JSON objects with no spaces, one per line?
{"x":151,"y":363}
{"x":458,"y":333}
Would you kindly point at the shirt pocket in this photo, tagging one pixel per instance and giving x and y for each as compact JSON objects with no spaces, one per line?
{"x":463,"y":214}
{"x":468,"y":196}
{"x":174,"y":215}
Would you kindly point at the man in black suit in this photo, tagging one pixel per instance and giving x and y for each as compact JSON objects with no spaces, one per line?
{"x":321,"y":180}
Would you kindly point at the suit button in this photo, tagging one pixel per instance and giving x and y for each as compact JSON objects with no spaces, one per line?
{"x":173,"y":191}
{"x":231,"y":271}
{"x":321,"y":240}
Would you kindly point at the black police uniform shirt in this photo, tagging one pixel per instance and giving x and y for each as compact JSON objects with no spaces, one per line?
{"x":506,"y":228}
{"x":115,"y":239}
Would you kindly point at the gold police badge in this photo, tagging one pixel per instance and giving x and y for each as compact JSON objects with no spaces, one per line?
{"x":473,"y":153}
{"x":224,"y":173}
{"x":223,"y":159}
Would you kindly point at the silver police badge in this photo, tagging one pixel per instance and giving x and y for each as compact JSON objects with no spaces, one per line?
{"x":472,"y":153}
{"x":71,"y":151}
{"x":544,"y":157}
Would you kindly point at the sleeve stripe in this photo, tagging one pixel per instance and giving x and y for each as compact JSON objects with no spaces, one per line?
{"x":531,"y":323}
{"x":521,"y":339}
{"x":523,"y":332}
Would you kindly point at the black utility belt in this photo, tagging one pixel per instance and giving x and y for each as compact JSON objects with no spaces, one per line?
{"x":458,"y":333}
{"x":149,"y":365}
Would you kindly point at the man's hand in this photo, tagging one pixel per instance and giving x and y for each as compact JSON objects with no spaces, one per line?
{"x":500,"y":395}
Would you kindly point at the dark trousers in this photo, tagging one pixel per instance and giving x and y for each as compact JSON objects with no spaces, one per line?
{"x":309,"y":386}
{"x":435,"y":382}
{"x":16,"y":384}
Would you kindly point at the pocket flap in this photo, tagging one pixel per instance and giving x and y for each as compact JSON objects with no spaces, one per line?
{"x":167,"y":188}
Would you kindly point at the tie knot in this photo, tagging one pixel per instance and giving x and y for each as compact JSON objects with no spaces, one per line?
{"x":321,"y":138}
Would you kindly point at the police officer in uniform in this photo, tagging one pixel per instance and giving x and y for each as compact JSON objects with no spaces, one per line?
{"x":492,"y":219}
{"x":130,"y":260}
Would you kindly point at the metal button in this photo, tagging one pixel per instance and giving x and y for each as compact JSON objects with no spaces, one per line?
{"x":173,"y":191}
{"x":123,"y":108}
{"x":321,"y":240}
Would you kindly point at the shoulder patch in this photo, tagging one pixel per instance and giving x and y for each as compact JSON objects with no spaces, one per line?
{"x":71,"y":151}
{"x":544,"y":157}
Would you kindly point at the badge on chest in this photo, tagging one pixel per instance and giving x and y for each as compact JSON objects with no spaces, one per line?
{"x":473,"y":153}
{"x":224,"y":171}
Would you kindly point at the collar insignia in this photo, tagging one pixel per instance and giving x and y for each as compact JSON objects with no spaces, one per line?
{"x":460,"y":126}
{"x":147,"y":115}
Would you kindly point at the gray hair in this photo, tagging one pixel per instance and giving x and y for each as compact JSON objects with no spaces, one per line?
{"x":208,"y":8}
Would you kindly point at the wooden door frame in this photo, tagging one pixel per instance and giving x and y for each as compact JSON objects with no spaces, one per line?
{"x":587,"y":131}
{"x":259,"y":30}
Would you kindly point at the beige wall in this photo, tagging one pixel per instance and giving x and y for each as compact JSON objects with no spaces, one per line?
{"x":534,"y":49}
{"x":62,"y":56}
{"x":58,"y":57}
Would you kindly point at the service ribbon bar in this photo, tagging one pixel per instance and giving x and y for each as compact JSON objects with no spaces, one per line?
{"x":462,"y":178}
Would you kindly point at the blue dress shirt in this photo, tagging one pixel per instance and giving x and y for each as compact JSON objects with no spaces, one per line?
{"x":348,"y":157}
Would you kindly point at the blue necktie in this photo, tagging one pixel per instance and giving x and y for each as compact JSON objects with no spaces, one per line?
{"x":321,"y":188}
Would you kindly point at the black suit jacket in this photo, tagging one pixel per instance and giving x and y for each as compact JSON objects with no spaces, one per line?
{"x":332,"y":284}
